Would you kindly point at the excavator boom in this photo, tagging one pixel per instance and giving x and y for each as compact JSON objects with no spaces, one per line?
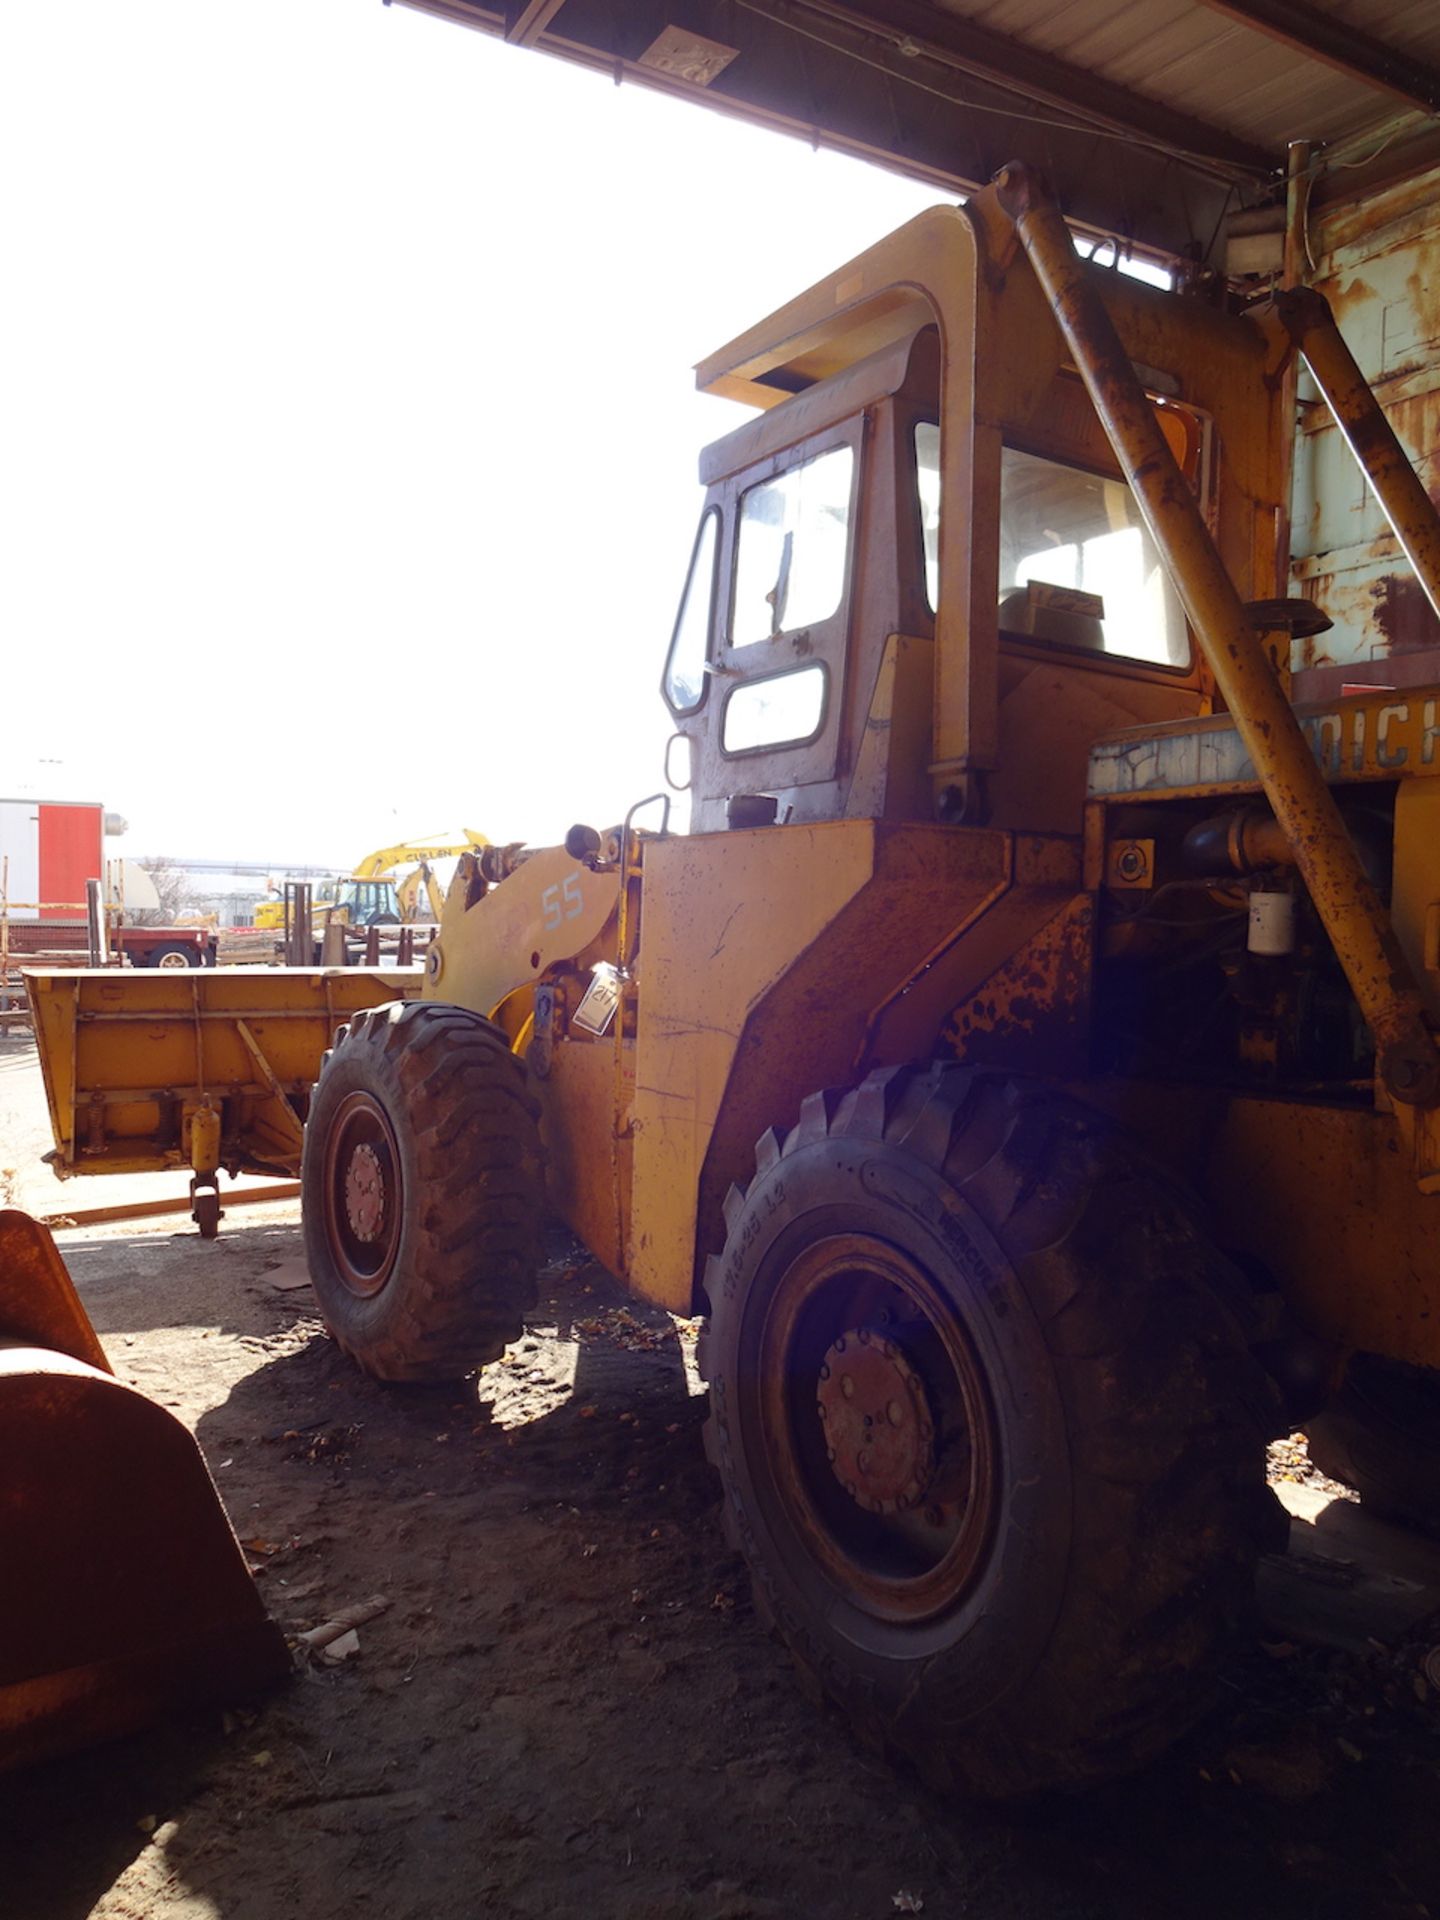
{"x":385,"y":859}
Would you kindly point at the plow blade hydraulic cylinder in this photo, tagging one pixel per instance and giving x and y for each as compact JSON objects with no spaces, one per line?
{"x":1348,"y":905}
{"x":124,"y":1595}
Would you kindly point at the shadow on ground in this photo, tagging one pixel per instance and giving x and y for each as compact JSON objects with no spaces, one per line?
{"x":568,"y":1707}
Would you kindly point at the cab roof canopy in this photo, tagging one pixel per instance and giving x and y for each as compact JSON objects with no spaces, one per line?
{"x":1158,"y":117}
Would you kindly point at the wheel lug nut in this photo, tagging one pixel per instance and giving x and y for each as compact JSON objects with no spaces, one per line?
{"x":847,"y":1386}
{"x":863,"y":1461}
{"x":895,"y":1413}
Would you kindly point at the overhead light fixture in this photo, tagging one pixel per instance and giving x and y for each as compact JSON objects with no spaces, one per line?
{"x":688,"y":56}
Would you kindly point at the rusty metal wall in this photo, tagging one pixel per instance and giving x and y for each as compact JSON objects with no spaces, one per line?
{"x":1378,"y":262}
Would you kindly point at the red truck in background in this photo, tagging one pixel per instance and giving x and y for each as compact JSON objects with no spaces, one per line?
{"x":49,"y":850}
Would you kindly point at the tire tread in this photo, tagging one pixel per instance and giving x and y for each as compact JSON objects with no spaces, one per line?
{"x":474,"y":1249}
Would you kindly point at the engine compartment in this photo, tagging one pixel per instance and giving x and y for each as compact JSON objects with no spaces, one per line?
{"x":1213,"y":965}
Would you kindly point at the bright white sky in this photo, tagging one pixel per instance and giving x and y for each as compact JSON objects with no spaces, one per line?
{"x":348,"y":432}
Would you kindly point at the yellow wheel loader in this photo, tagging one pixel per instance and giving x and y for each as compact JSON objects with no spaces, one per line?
{"x":123,"y":1593}
{"x":1026,"y":1061}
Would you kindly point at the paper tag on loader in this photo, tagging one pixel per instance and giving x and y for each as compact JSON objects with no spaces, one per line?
{"x":597,"y":1009}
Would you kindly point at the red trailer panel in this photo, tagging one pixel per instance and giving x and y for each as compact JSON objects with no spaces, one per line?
{"x":71,"y":852}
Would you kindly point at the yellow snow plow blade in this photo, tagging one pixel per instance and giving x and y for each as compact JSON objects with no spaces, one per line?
{"x":193,"y":1067}
{"x":124,"y":1595}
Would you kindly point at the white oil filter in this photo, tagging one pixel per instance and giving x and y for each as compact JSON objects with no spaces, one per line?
{"x":1272,"y":923}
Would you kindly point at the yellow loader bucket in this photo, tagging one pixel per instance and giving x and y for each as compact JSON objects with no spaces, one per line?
{"x":123,"y":1592}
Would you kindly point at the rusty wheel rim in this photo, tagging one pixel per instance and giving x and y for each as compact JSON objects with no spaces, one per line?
{"x":876,"y":1428}
{"x":364,"y":1195}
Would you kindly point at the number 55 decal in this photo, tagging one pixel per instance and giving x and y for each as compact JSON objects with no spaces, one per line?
{"x":562,"y":902}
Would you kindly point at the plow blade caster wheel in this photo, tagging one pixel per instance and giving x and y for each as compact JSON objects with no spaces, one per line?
{"x":205,"y":1210}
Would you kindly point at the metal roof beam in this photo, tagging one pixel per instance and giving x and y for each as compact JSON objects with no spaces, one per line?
{"x":914,"y":26}
{"x":534,"y":17}
{"x":1322,"y":37}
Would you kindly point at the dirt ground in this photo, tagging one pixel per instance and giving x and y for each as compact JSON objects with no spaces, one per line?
{"x":568,"y":1707}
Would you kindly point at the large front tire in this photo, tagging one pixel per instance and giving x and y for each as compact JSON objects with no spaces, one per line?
{"x":422,"y":1192}
{"x":990,"y":1435}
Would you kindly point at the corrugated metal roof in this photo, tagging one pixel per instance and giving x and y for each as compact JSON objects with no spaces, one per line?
{"x":1238,"y":77}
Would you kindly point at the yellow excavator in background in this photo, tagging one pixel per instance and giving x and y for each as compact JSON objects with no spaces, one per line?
{"x":370,"y":895}
{"x":420,"y":880}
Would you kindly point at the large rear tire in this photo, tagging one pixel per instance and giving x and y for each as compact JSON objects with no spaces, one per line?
{"x":422,"y":1191}
{"x":991,"y":1437}
{"x":1380,"y":1434}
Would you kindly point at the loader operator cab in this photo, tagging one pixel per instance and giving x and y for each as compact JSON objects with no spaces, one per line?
{"x":833,"y":563}
{"x":815,"y":577}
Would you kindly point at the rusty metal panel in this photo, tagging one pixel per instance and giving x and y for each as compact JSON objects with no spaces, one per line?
{"x":1380,"y":268}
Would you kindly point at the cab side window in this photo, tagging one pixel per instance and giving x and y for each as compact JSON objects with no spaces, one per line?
{"x":1078,"y":567}
{"x":792,"y":543}
{"x":684,"y":682}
